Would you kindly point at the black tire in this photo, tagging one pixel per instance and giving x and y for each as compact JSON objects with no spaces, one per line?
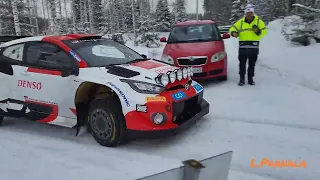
{"x":104,"y":113}
{"x":1,"y":120}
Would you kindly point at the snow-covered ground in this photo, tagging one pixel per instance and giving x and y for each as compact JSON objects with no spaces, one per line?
{"x":278,"y":119}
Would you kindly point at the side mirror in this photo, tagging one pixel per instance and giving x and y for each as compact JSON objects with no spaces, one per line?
{"x":163,"y":39}
{"x":225,"y":36}
{"x":144,"y":56}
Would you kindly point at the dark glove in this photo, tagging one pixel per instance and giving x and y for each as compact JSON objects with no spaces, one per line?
{"x":256,"y":30}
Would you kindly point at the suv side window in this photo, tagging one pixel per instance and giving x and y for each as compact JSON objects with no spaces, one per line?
{"x":14,"y":52}
{"x":47,"y":55}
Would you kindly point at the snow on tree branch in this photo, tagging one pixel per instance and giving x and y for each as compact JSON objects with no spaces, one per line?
{"x":306,"y":7}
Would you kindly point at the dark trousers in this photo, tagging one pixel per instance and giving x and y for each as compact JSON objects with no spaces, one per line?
{"x":252,"y":59}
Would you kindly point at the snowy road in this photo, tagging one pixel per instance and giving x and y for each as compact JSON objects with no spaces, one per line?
{"x":277,"y":119}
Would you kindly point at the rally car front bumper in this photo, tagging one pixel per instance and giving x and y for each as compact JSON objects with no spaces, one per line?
{"x":136,"y":134}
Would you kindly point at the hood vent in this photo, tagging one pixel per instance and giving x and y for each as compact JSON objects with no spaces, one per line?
{"x":122,"y":72}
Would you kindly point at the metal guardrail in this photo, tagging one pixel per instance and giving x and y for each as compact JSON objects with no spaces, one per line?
{"x":213,"y":168}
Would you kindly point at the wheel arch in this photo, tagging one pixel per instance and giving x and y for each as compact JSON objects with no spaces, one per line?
{"x":88,"y":91}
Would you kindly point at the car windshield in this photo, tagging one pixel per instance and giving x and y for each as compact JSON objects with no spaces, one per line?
{"x":194,"y":33}
{"x":102,"y":52}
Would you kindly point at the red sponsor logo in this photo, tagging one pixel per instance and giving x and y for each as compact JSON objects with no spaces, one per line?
{"x":164,"y":70}
{"x":148,"y":64}
{"x":30,"y":84}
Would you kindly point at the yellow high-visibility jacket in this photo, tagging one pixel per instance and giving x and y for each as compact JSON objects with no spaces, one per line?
{"x":247,"y":37}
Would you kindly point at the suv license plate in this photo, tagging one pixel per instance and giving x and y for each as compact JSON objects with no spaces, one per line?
{"x":197,"y":69}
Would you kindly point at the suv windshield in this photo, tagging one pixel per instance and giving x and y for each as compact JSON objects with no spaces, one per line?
{"x":194,"y":33}
{"x":102,"y":52}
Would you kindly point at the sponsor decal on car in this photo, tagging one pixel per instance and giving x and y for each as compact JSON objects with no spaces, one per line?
{"x":29,"y":84}
{"x":121,"y":93}
{"x":73,"y":54}
{"x":179,"y":95}
{"x":141,"y":108}
{"x":156,"y":99}
{"x":166,"y":69}
{"x":148,"y":64}
{"x":198,"y":88}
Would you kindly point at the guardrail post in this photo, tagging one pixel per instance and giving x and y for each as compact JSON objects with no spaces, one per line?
{"x":192,"y":169}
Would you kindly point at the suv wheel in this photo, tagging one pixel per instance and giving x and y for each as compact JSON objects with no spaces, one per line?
{"x":1,"y":120}
{"x":106,"y":122}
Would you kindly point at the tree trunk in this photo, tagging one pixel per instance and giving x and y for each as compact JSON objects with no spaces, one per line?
{"x":15,"y":13}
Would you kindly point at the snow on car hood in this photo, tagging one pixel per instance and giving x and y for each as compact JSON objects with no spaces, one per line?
{"x":148,"y":69}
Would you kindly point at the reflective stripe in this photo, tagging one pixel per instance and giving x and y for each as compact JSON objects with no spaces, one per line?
{"x":249,"y":46}
{"x":246,"y":29}
{"x":235,"y":28}
{"x":258,"y":22}
{"x":241,"y":26}
{"x":263,"y":28}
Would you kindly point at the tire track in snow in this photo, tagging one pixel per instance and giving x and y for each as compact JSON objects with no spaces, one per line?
{"x":266,"y":122}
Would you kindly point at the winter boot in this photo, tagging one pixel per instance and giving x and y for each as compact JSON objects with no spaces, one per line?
{"x":250,"y":81}
{"x":241,"y":82}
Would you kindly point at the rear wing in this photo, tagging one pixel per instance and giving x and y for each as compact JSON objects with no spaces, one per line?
{"x":4,"y":39}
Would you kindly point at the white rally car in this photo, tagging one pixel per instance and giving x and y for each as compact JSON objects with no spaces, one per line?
{"x":75,"y":80}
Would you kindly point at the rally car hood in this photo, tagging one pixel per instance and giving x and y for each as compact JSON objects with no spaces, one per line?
{"x":145,"y":71}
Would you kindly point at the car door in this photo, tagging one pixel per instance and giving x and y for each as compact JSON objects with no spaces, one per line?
{"x":11,"y":63}
{"x":49,"y":95}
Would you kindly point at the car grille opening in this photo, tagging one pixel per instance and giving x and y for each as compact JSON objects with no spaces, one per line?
{"x":195,"y":61}
{"x":184,"y":110}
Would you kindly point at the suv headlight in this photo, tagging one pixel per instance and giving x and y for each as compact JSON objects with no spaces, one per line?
{"x":167,"y":59}
{"x":144,"y":87}
{"x":218,"y":56}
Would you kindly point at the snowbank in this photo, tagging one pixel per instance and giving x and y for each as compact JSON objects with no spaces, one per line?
{"x":297,"y":30}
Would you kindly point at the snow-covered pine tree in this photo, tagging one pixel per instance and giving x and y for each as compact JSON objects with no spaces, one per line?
{"x":76,"y":14}
{"x":264,"y":9}
{"x":236,"y":11}
{"x":208,"y":9}
{"x":53,"y":17}
{"x":98,"y":18}
{"x":146,"y":30}
{"x":181,"y":10}
{"x":15,"y":13}
{"x":163,"y":16}
{"x":308,"y":28}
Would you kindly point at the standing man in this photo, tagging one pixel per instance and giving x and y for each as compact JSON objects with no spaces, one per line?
{"x":249,"y":29}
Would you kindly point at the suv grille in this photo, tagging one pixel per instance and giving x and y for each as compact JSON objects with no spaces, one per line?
{"x":189,"y":61}
{"x":184,"y":110}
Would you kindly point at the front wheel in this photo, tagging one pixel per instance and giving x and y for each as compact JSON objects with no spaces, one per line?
{"x":106,"y":122}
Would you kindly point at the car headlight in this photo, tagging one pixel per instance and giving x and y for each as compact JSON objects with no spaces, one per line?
{"x":144,"y":87}
{"x":173,"y":77}
{"x":185,"y":73}
{"x":218,"y":56}
{"x":167,"y":59}
{"x":164,"y":80}
{"x":179,"y":74}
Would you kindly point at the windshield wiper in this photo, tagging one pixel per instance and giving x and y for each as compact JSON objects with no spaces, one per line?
{"x":136,"y":60}
{"x":129,"y":62}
